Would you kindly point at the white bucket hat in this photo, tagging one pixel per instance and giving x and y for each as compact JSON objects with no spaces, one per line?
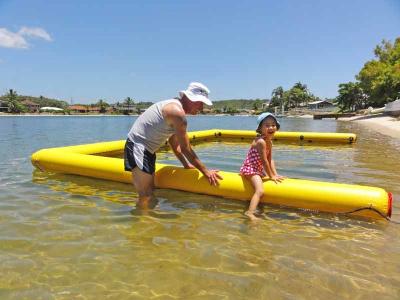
{"x":197,"y":91}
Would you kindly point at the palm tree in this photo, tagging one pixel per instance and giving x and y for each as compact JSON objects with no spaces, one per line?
{"x":278,"y":92}
{"x":351,"y":96}
{"x":129,"y":102}
{"x":13,"y":105}
{"x":277,"y":95}
{"x":301,"y":86}
{"x":103,"y":105}
{"x":301,"y":93}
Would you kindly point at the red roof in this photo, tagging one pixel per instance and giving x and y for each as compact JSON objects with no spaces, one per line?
{"x":77,"y":107}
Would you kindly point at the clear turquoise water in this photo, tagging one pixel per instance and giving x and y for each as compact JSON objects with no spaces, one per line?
{"x":70,"y":237}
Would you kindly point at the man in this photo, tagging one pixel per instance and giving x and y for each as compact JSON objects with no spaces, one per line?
{"x":161,"y":121}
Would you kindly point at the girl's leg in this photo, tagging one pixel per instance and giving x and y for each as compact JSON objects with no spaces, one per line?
{"x":257,"y":184}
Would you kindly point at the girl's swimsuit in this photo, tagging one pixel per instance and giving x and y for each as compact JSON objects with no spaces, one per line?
{"x":252,"y":165}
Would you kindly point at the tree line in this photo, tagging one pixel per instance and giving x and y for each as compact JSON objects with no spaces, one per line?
{"x":298,"y":95}
{"x":14,"y":103}
{"x":377,"y":83}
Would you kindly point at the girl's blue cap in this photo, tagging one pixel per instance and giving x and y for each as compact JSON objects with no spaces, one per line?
{"x":265,"y":115}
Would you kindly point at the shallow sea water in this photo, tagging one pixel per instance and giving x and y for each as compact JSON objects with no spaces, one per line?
{"x":71,"y":237}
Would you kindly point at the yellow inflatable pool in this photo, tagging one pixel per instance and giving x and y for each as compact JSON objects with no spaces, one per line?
{"x":96,"y":160}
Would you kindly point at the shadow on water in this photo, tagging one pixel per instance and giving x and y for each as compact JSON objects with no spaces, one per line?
{"x":171,"y":203}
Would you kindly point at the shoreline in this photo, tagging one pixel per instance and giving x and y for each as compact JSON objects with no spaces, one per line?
{"x":60,"y":115}
{"x":105,"y":115}
{"x":381,"y":123}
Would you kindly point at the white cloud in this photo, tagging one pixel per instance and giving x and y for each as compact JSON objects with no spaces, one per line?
{"x":10,"y":39}
{"x":35,"y":32}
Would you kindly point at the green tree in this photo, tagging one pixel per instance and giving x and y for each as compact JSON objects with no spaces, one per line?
{"x":14,"y":106}
{"x":129,"y":102}
{"x":299,"y":94}
{"x":103,"y":106}
{"x":287,"y":99}
{"x":277,"y":97}
{"x":380,"y":77}
{"x":351,"y":96}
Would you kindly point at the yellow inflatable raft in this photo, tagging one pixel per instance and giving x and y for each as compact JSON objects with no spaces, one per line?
{"x":96,"y":160}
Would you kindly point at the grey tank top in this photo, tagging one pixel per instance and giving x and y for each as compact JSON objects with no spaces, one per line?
{"x":151,"y":129}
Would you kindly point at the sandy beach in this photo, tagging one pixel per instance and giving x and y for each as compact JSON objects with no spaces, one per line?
{"x":382,"y":123}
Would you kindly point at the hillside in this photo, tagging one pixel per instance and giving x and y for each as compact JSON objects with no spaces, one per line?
{"x":238,"y":104}
{"x":42,"y":101}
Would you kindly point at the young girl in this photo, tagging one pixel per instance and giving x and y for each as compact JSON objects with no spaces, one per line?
{"x":258,"y":162}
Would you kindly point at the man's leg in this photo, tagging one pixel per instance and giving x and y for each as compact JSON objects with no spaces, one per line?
{"x":144,"y":184}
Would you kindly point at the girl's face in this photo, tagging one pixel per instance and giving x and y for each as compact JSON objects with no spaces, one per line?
{"x":268,"y":126}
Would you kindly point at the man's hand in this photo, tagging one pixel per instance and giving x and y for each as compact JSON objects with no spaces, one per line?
{"x":213,"y":176}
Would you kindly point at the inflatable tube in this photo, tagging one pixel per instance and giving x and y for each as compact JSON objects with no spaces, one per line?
{"x":94,"y":160}
{"x":319,"y":137}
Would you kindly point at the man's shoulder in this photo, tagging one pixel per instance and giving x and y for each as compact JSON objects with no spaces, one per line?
{"x":171,"y":100}
{"x":173,"y":107}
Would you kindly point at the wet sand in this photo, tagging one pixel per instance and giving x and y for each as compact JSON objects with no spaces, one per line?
{"x":384,"y":124}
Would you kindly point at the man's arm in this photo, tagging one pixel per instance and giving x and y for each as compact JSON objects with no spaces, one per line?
{"x":176,"y":148}
{"x":176,"y":118}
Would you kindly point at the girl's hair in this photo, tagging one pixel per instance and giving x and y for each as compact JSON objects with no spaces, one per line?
{"x":258,"y":130}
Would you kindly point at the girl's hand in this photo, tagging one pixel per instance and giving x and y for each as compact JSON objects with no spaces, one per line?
{"x":277,"y":178}
{"x":189,"y":166}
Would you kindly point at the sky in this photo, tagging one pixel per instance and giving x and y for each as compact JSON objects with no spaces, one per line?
{"x":83,"y":51}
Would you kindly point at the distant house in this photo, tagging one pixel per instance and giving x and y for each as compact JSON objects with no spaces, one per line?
{"x":207,"y":111}
{"x":78,"y":108}
{"x":265,"y":105}
{"x":93,"y":109}
{"x":322,"y":104}
{"x":127,"y":108}
{"x":3,"y":106}
{"x":32,"y":106}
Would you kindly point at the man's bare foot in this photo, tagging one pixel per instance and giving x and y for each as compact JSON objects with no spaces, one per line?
{"x":251,"y":216}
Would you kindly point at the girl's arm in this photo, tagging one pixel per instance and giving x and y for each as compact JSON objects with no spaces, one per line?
{"x":273,"y":167}
{"x":264,"y":151}
{"x":272,"y":162}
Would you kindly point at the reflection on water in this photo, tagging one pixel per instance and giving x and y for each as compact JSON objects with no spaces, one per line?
{"x":67,"y":237}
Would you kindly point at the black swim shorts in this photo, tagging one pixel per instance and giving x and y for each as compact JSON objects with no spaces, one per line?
{"x":135,"y":155}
